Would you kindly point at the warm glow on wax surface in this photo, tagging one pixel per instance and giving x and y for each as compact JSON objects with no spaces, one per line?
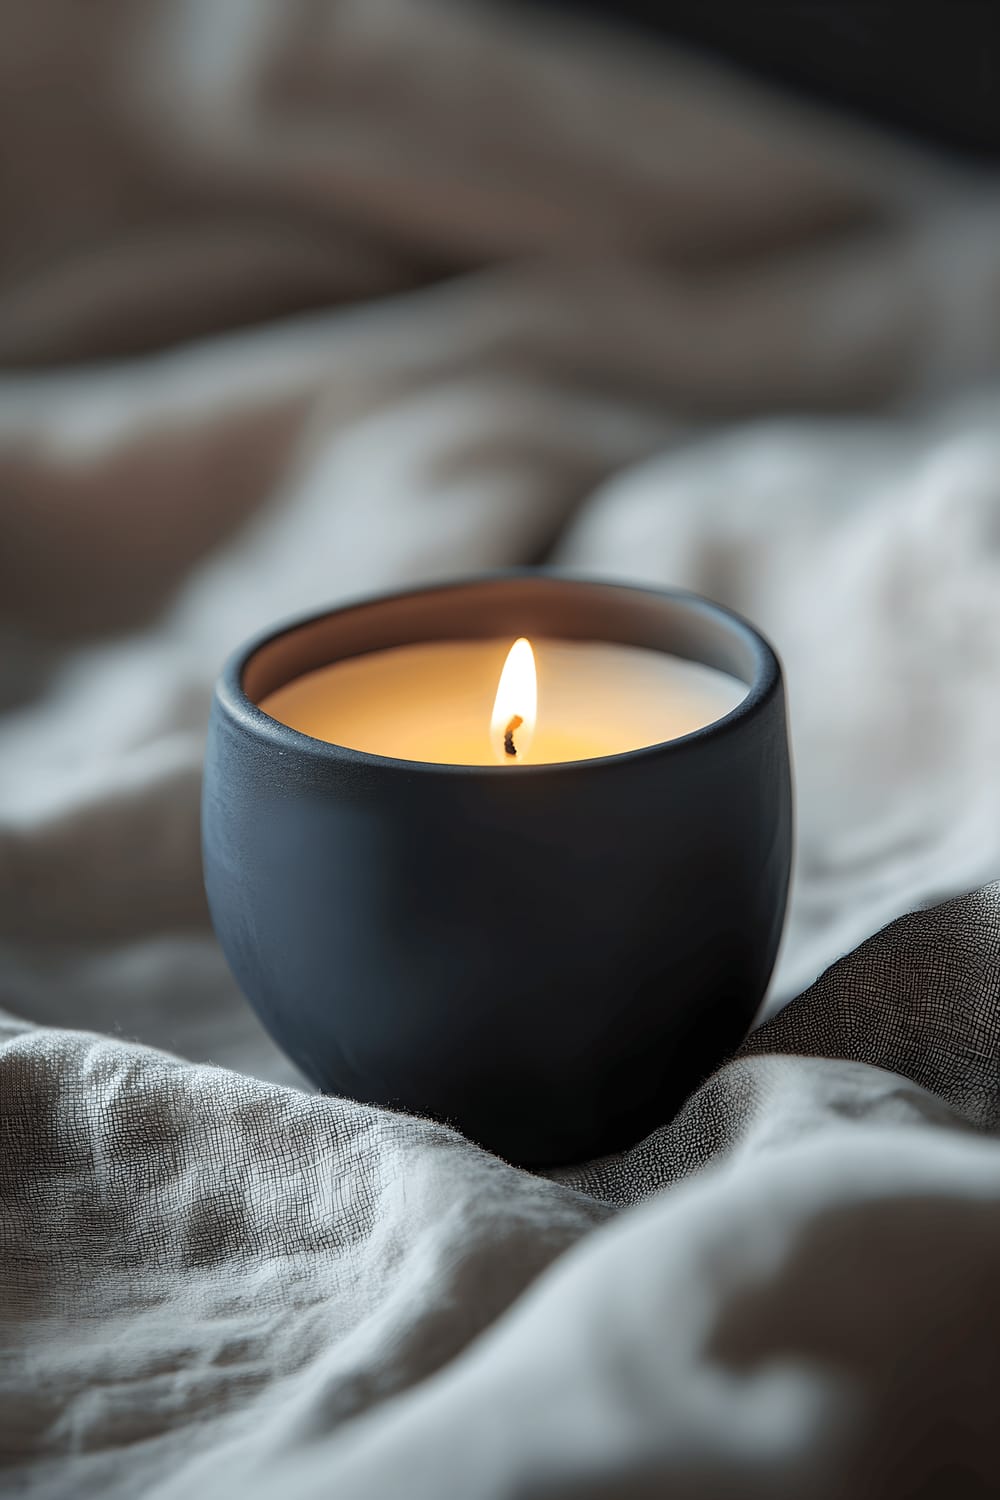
{"x":453,"y":702}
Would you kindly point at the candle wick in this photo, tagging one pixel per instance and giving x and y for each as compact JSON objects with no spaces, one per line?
{"x":508,"y":735}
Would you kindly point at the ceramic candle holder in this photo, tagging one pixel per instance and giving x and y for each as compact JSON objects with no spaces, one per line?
{"x":549,"y":958}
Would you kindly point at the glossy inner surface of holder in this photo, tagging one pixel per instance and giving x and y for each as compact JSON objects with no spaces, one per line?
{"x":532,"y":605}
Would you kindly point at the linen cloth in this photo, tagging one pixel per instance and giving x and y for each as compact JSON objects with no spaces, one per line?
{"x":298,"y":302}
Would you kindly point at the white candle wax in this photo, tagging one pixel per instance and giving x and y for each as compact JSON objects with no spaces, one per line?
{"x":434,"y":701}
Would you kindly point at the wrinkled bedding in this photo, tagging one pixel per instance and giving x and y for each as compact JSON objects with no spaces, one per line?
{"x":303,"y":301}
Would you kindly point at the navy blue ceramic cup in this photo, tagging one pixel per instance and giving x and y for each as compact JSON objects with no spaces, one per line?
{"x":549,"y":959}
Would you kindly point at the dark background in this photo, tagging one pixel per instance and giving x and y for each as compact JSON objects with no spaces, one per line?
{"x":929,"y":70}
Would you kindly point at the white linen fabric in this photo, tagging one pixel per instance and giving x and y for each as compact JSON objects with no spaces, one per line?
{"x":302,"y":301}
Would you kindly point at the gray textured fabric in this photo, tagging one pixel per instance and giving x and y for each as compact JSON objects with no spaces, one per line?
{"x":212,"y":1282}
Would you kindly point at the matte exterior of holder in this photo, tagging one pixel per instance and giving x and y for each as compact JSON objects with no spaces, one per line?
{"x":550,"y":958}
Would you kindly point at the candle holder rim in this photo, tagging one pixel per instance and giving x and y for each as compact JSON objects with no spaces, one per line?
{"x":240,"y":708}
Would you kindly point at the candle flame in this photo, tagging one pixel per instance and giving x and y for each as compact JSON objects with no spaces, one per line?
{"x":513,"y":721}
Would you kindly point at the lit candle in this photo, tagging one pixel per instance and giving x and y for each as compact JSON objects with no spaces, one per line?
{"x":445,"y":884}
{"x":487,"y":702}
